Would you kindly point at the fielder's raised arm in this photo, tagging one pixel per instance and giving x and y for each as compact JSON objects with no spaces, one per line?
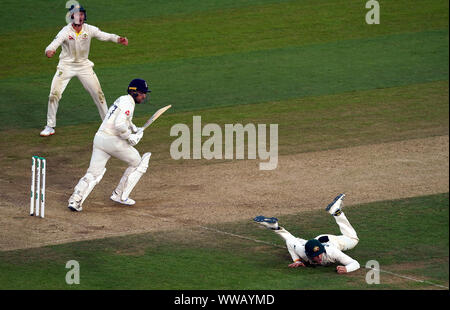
{"x":104,"y":36}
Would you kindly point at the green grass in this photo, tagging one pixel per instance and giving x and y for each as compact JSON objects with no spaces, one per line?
{"x":224,"y":53}
{"x":313,"y":67}
{"x":410,"y":231}
{"x":308,"y":124}
{"x":103,"y":10}
{"x":225,"y":27}
{"x":255,"y":77}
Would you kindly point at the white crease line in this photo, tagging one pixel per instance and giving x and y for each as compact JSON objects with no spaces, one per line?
{"x":241,"y":237}
{"x":409,"y":278}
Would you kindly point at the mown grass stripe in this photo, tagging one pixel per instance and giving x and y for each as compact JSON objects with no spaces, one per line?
{"x":256,"y":27}
{"x":54,"y":11}
{"x":231,"y":80}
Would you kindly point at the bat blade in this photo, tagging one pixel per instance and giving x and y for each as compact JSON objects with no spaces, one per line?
{"x":155,"y":116}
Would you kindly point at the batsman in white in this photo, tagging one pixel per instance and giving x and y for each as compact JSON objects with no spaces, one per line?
{"x":324,"y":249}
{"x":116,"y":137}
{"x":75,"y":42}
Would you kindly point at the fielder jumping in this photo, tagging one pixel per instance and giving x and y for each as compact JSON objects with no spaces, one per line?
{"x":324,"y":249}
{"x":116,"y":137}
{"x":75,"y":42}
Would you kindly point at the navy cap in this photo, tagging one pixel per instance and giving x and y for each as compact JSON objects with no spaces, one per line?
{"x":138,"y":85}
{"x":314,"y":248}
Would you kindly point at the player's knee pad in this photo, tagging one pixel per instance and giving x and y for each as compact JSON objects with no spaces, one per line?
{"x":143,"y":165}
{"x":133,"y":177}
{"x":86,"y":185}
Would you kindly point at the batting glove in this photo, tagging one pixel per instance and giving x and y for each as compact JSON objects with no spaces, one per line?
{"x":133,"y":128}
{"x":134,"y":138}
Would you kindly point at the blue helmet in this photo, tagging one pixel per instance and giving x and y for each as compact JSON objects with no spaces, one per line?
{"x":78,"y":8}
{"x":138,"y":85}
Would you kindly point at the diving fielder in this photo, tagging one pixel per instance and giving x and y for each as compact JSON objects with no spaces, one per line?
{"x":324,"y":249}
{"x":116,"y":137}
{"x":75,"y":41}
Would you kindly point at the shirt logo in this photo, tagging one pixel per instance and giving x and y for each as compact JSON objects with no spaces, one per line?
{"x":127,"y":112}
{"x":113,"y":109}
{"x":84,"y":37}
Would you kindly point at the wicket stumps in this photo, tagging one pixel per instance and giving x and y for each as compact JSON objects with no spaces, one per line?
{"x":37,"y":200}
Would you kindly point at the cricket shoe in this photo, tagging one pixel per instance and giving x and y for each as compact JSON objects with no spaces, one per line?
{"x":334,"y":208}
{"x":48,"y":131}
{"x":269,"y":222}
{"x":116,"y":198}
{"x":75,"y":206}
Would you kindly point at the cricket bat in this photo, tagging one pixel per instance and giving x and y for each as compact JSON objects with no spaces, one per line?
{"x":154,"y":117}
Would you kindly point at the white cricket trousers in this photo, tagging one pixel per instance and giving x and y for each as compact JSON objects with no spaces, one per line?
{"x":106,"y":146}
{"x":347,"y":241}
{"x":89,"y":80}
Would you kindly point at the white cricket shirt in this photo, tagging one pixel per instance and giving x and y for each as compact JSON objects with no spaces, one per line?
{"x":118,"y":120}
{"x":331,"y":255}
{"x":75,"y":46}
